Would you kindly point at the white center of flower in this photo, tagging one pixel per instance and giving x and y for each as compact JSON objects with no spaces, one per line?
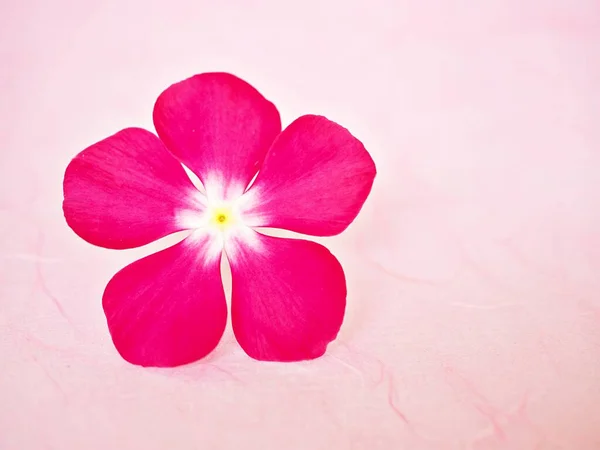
{"x":224,"y":216}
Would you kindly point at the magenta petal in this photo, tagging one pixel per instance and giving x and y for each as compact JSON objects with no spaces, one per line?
{"x":314,"y":180}
{"x":220,"y":127}
{"x":288,"y":297}
{"x":168,"y":308}
{"x":127,"y":190}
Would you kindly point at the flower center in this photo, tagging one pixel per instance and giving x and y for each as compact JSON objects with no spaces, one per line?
{"x":222,"y":217}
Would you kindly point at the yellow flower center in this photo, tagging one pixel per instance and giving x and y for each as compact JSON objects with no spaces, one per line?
{"x":222,"y":217}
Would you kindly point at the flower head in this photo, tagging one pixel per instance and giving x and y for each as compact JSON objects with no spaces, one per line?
{"x":288,"y":295}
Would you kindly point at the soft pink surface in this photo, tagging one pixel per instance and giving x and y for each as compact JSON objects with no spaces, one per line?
{"x":473,"y":319}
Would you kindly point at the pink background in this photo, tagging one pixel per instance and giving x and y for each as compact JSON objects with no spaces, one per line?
{"x":473,"y":318}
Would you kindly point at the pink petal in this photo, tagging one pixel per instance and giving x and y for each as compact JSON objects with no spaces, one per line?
{"x":314,"y":180}
{"x":288,"y":297}
{"x":127,"y":190}
{"x":220,"y":127}
{"x":168,"y":308}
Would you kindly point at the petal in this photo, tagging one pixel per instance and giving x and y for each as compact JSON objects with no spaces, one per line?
{"x":288,"y":297}
{"x":127,"y":190}
{"x":314,"y":180}
{"x":220,"y":127}
{"x":168,"y":308}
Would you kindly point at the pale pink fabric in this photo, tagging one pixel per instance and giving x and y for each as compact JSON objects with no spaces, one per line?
{"x":472,"y":318}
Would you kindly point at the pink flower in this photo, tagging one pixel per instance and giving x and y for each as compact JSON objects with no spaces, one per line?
{"x":288,"y":295}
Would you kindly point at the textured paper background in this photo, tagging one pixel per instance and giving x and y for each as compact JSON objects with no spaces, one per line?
{"x":474,"y":310}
